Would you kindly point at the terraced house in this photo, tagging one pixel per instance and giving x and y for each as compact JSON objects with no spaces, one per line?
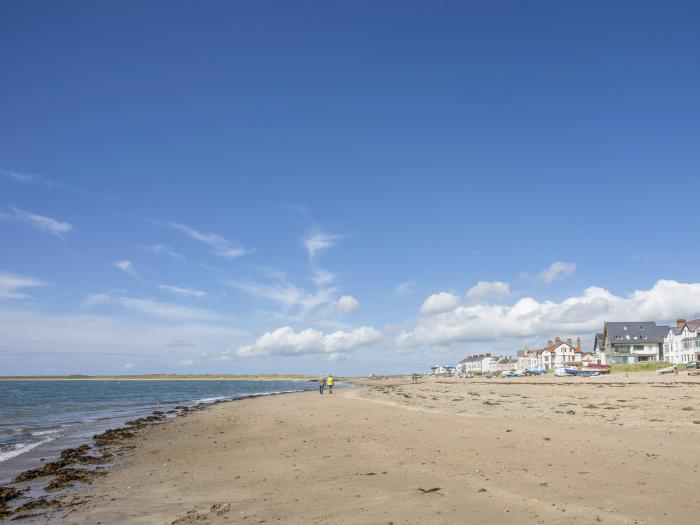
{"x":633,"y":342}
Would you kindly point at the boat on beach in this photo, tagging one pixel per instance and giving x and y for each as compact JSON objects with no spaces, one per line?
{"x":573,"y":371}
{"x":594,"y":367}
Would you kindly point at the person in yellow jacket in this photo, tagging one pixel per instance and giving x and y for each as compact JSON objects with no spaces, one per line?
{"x":329,"y":384}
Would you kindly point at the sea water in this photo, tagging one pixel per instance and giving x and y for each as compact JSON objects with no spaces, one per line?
{"x":40,"y":418}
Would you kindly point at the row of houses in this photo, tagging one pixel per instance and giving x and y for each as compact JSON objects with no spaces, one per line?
{"x":619,"y":342}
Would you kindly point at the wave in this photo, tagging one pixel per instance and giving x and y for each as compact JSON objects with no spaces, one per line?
{"x":20,"y":448}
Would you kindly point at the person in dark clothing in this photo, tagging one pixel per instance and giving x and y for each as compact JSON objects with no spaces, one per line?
{"x":321,"y":385}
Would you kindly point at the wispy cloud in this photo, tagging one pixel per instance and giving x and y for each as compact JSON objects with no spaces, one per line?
{"x":221,"y":246}
{"x":182,"y":291}
{"x":323,"y":277}
{"x":127,"y":267}
{"x":405,"y":288}
{"x":18,"y":177}
{"x":26,"y":178}
{"x":286,"y":294}
{"x":318,"y":241}
{"x":39,"y":222}
{"x":556,"y":270}
{"x":10,"y":283}
{"x":167,"y":310}
{"x":164,"y":249}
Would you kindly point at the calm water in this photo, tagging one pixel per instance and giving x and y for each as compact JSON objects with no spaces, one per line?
{"x":39,"y":418}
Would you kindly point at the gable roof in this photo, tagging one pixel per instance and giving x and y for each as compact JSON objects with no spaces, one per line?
{"x":693,"y":325}
{"x":627,"y":332}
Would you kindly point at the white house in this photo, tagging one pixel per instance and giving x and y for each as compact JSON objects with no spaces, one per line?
{"x":439,"y":370}
{"x":682,"y":342}
{"x":480,"y":363}
{"x":503,"y":364}
{"x":527,"y":359}
{"x":559,"y":353}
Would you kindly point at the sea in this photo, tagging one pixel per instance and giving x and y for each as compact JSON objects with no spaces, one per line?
{"x":40,"y":418}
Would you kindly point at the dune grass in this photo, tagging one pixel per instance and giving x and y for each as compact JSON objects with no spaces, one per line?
{"x":639,"y":367}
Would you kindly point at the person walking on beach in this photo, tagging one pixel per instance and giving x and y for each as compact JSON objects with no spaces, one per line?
{"x":329,"y":382}
{"x":321,"y":384}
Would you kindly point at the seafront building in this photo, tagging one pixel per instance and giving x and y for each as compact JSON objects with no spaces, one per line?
{"x":556,"y":354}
{"x":632,"y":342}
{"x":682,"y":342}
{"x":485,"y":363}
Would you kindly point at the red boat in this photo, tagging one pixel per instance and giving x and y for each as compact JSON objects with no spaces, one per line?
{"x":593,"y":367}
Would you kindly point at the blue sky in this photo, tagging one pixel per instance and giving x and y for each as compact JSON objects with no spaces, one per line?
{"x":322,"y":186}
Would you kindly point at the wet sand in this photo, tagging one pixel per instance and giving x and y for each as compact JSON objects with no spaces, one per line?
{"x":597,"y":450}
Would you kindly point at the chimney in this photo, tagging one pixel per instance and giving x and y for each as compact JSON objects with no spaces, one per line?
{"x":557,"y":339}
{"x":550,"y":345}
{"x":680,"y":322}
{"x":578,"y":344}
{"x":570,"y":342}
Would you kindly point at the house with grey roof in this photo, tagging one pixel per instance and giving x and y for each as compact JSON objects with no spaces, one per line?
{"x":633,"y":342}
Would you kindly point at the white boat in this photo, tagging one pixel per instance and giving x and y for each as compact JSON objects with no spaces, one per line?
{"x":667,"y":370}
{"x":562,"y":371}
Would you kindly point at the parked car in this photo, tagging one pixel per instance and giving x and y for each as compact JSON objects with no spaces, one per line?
{"x":692,"y":364}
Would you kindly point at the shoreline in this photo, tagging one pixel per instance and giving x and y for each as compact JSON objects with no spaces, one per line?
{"x":66,"y":484}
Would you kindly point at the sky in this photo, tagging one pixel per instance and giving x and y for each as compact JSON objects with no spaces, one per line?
{"x":340,"y":187}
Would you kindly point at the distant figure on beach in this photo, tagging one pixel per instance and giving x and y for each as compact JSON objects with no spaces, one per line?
{"x":329,"y":382}
{"x":321,"y":384}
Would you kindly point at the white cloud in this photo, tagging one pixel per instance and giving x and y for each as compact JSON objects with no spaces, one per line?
{"x":182,"y":291}
{"x":39,"y":222}
{"x":484,"y":289}
{"x":556,"y":270}
{"x":166,"y":310}
{"x":323,"y":277}
{"x":319,"y":241}
{"x":585,"y":313}
{"x":159,"y":309}
{"x":127,"y":267}
{"x":164,"y":249}
{"x":96,"y":298}
{"x":15,"y":176}
{"x":285,"y":341}
{"x":222,"y":246}
{"x":347,"y":303}
{"x":10,"y":283}
{"x":439,"y":302}
{"x":405,"y":288}
{"x":286,"y":294}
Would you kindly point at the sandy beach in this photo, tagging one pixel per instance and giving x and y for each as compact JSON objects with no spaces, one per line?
{"x":541,"y":450}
